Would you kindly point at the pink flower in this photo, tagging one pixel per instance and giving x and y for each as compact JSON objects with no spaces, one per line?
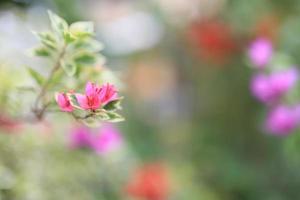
{"x":63,"y":102}
{"x":260,"y":52}
{"x":108,"y":93}
{"x":91,"y":99}
{"x":80,"y":137}
{"x":269,"y":88}
{"x":96,"y":96}
{"x":283,"y":120}
{"x":109,"y":139}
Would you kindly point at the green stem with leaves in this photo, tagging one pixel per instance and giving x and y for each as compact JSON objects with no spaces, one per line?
{"x":39,"y":112}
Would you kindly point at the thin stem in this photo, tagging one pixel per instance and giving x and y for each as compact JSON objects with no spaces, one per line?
{"x":39,"y":112}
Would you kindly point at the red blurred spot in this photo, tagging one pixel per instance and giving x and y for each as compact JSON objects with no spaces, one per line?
{"x":8,"y":124}
{"x":149,"y":182}
{"x":214,"y":40}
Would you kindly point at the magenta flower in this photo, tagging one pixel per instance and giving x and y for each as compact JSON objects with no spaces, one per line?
{"x":108,"y":93}
{"x":282,"y":120}
{"x":64,"y":102}
{"x":80,"y":137}
{"x":96,"y":96}
{"x":269,"y":88}
{"x":260,"y":52}
{"x":109,"y":139}
{"x":91,"y":99}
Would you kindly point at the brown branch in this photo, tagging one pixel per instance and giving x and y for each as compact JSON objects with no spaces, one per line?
{"x":39,"y":112}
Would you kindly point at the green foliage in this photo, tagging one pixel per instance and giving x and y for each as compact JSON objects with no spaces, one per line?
{"x":114,"y":105}
{"x":73,"y":45}
{"x":69,"y":67}
{"x":39,"y":79}
{"x":71,"y":48}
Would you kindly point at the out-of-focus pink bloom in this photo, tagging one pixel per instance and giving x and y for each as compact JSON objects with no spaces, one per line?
{"x":109,"y":139}
{"x":260,"y":52}
{"x":91,"y":99}
{"x":269,"y":88}
{"x":64,"y":102}
{"x":80,"y":137}
{"x":108,"y":93}
{"x":282,"y":120}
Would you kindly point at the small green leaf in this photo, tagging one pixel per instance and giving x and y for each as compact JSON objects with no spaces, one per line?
{"x":69,"y":38}
{"x":92,"y":121}
{"x":39,"y":79}
{"x":58,"y":24}
{"x":73,"y":100}
{"x":69,"y":67}
{"x":47,"y":39}
{"x":82,"y":29}
{"x":88,"y":45}
{"x":42,"y":52}
{"x":114,"y":117}
{"x":113,"y":105}
{"x":85,"y":58}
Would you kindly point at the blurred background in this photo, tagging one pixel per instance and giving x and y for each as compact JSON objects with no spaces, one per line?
{"x":192,"y":131}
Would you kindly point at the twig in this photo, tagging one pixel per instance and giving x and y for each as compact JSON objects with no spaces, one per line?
{"x":39,"y":112}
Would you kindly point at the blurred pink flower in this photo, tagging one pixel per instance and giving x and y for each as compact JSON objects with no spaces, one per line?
{"x":108,"y":93}
{"x":260,"y":52}
{"x":283,"y":120}
{"x":80,"y":137}
{"x":63,"y":102}
{"x":91,"y":99}
{"x":108,"y":139}
{"x":269,"y":88}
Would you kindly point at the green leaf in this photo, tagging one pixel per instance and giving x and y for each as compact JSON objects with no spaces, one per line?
{"x":69,"y":38}
{"x":88,"y":45}
{"x":113,"y":105}
{"x":47,"y":39}
{"x":42,"y":52}
{"x":69,"y":67}
{"x":39,"y":79}
{"x":114,"y":117}
{"x":92,"y":121}
{"x":108,"y":116}
{"x":85,"y":58}
{"x":58,"y":24}
{"x":82,"y":29}
{"x":73,"y":100}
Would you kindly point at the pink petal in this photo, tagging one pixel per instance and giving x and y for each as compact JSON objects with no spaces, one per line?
{"x":89,"y":88}
{"x":108,"y":93}
{"x":64,"y":103}
{"x":82,"y":101}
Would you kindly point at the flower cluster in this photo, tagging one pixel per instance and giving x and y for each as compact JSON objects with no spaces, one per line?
{"x":105,"y":140}
{"x":272,"y":86}
{"x":97,"y":102}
